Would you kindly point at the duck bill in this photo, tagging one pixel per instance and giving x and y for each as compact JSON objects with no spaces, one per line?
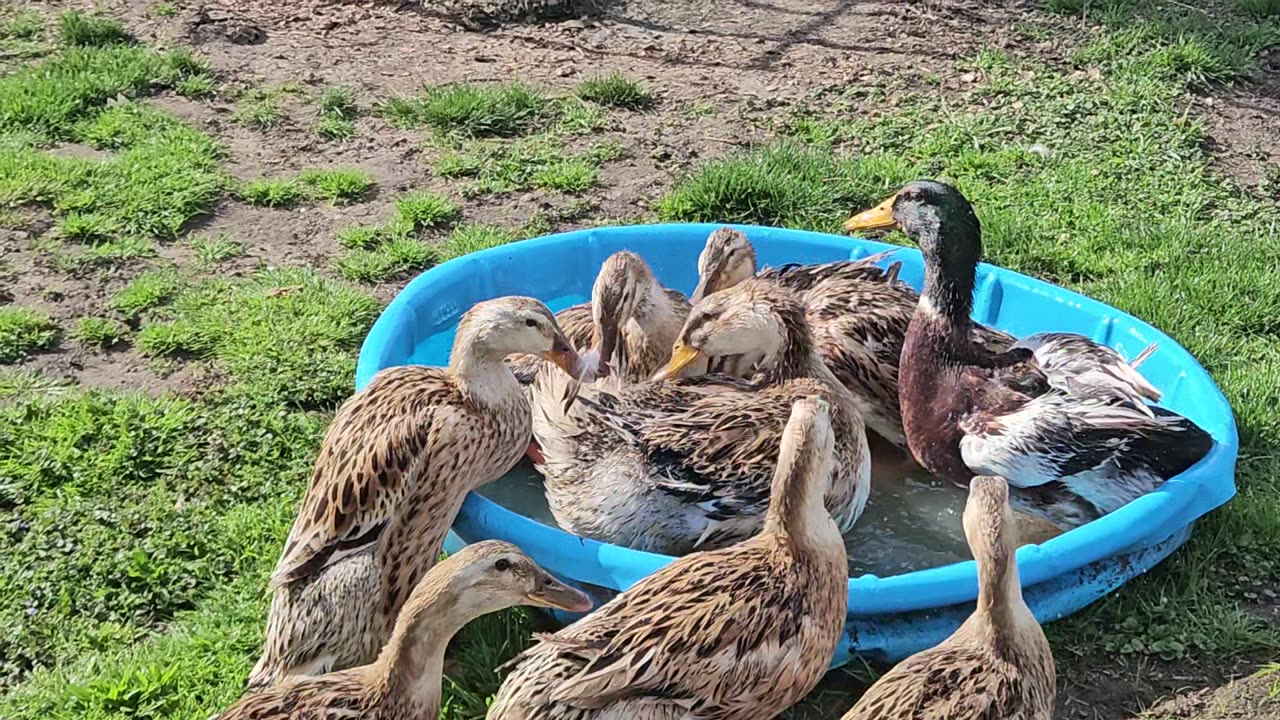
{"x":878,"y":217}
{"x":552,"y":593}
{"x":681,"y":357}
{"x":605,"y":341}
{"x":706,"y":286}
{"x":565,"y":358}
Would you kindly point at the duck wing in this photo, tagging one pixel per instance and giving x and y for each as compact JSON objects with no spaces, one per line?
{"x":377,"y":442}
{"x":1074,"y":361}
{"x":950,"y":681}
{"x":800,"y":277}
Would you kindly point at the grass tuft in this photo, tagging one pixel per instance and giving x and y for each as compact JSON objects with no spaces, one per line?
{"x":573,"y":175}
{"x":336,"y":128}
{"x":425,"y":209}
{"x":271,"y":192}
{"x":1260,"y":8}
{"x":386,"y":261}
{"x":148,"y":291}
{"x":99,"y":332}
{"x":471,"y":110}
{"x":259,"y":110}
{"x":472,"y":238}
{"x":80,"y":30}
{"x":24,"y":331}
{"x":211,"y":250}
{"x":616,"y":90}
{"x":338,"y":186}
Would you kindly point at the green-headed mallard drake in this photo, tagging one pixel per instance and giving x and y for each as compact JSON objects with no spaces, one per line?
{"x":998,"y":664}
{"x":682,"y":463}
{"x":741,"y":632}
{"x":1061,"y":417}
{"x":628,"y":326}
{"x":403,"y":683}
{"x":857,"y":311}
{"x":390,"y":477}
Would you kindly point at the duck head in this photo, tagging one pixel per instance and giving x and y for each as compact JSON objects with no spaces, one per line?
{"x":624,"y":284}
{"x":504,"y":326}
{"x":727,"y":260}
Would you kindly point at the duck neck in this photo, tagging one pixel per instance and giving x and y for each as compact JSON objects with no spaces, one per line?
{"x":797,"y":353}
{"x":953,"y":247}
{"x":481,"y":374}
{"x":411,"y":664}
{"x":797,"y":510}
{"x":1000,"y":602}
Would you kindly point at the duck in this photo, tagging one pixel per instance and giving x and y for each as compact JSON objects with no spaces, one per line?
{"x":998,"y":664}
{"x":740,"y":632}
{"x":628,"y":326}
{"x":391,"y":474}
{"x":403,"y":682}
{"x":683,"y":463}
{"x":1064,"y":419}
{"x":858,"y":313}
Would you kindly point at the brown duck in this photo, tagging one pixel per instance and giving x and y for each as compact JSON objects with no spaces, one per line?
{"x":998,"y":665}
{"x":738,"y":633}
{"x":403,"y":683}
{"x":391,"y":475}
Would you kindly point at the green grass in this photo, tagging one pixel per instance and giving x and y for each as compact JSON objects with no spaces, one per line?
{"x":540,"y":160}
{"x":336,"y":128}
{"x":471,"y":110}
{"x":286,"y":335}
{"x":272,"y":192}
{"x":339,"y":185}
{"x":1260,"y":8}
{"x":472,"y":238}
{"x":164,"y":9}
{"x":214,"y":249}
{"x":260,"y":111}
{"x":426,"y":209}
{"x":338,"y":108}
{"x":78,"y":29}
{"x":24,"y":331}
{"x":386,"y":261}
{"x":616,"y":90}
{"x":146,"y":292}
{"x":197,"y":86}
{"x":99,"y":332}
{"x":22,"y":25}
{"x":158,"y":175}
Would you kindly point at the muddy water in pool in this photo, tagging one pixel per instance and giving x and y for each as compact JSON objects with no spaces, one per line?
{"x":912,"y":521}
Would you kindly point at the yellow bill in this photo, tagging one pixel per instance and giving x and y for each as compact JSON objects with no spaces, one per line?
{"x":681,"y":356}
{"x":880,"y":216}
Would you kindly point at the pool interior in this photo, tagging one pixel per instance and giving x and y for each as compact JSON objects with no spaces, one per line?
{"x":912,"y":520}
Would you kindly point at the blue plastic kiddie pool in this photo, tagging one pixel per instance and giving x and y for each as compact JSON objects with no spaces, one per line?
{"x":889,"y":617}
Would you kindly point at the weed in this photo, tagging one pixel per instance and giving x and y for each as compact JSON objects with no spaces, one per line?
{"x":471,"y":110}
{"x":1260,"y":8}
{"x":211,"y":250}
{"x":403,"y":112}
{"x":197,"y":86}
{"x":23,"y":25}
{"x":22,"y":332}
{"x":272,"y":192}
{"x":388,"y":260}
{"x":336,"y":128}
{"x":574,"y":175}
{"x":580,"y":118}
{"x":78,"y":29}
{"x":148,"y":291}
{"x":472,"y":238}
{"x":425,"y":209}
{"x":338,"y":101}
{"x":260,"y":111}
{"x":616,"y":90}
{"x":363,"y":237}
{"x":99,"y":332}
{"x":337,"y":186}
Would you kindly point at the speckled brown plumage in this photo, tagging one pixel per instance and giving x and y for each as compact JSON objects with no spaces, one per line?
{"x":677,"y":464}
{"x":638,"y":320}
{"x":997,"y":665}
{"x":738,"y":633}
{"x":403,"y":683}
{"x":391,"y":475}
{"x":858,"y":312}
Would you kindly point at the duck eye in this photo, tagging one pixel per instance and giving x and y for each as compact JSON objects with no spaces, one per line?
{"x":531,"y":322}
{"x":503,"y":564}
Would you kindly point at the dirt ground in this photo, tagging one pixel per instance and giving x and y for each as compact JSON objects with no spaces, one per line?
{"x":748,"y":58}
